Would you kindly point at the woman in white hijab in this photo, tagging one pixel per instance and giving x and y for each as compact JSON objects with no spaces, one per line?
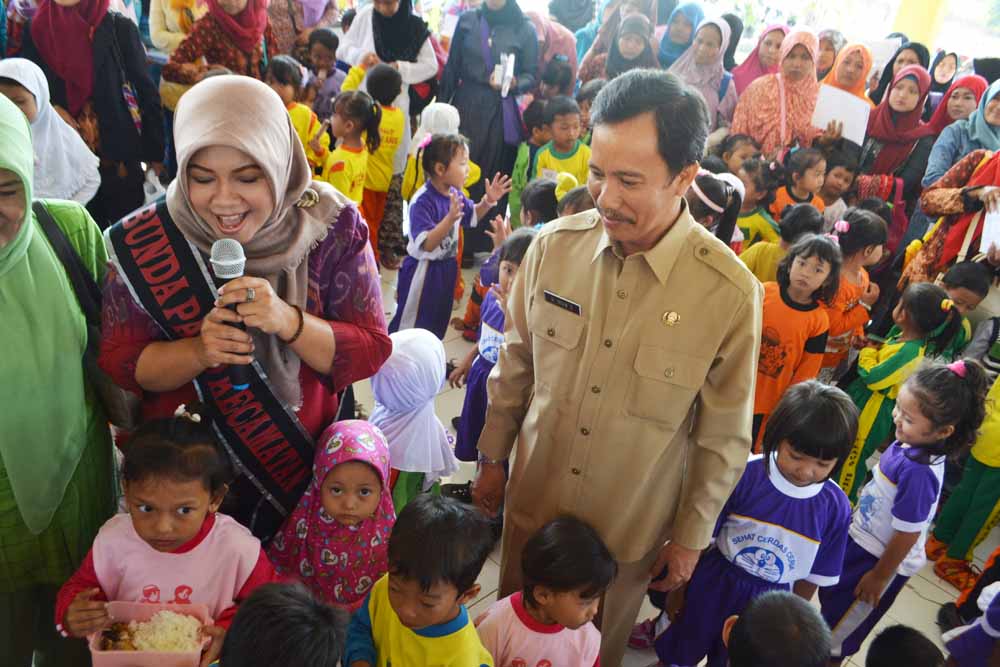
{"x":65,"y":168}
{"x":420,"y":452}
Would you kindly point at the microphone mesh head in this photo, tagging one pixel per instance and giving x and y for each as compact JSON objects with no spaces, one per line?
{"x":228,"y":259}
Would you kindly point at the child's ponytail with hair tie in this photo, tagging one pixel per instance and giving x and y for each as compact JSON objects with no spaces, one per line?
{"x":958,"y":368}
{"x":182,"y":412}
{"x":947,"y":305}
{"x":841,"y":227}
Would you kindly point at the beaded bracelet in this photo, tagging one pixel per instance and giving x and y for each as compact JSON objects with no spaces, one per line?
{"x":298,"y":331}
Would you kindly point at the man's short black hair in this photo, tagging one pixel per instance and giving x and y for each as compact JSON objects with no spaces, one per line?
{"x":567,"y":554}
{"x":560,"y":105}
{"x":383,"y":83}
{"x":679,"y":111}
{"x":779,"y":628}
{"x":902,"y":645}
{"x":283,"y":624}
{"x":440,"y":540}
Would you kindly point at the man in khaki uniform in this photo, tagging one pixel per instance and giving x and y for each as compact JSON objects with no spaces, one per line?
{"x":627,"y":373}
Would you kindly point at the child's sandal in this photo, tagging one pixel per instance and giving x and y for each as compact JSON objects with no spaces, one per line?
{"x":935,"y":548}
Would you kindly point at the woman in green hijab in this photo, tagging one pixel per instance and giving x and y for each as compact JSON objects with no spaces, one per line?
{"x":55,"y":445}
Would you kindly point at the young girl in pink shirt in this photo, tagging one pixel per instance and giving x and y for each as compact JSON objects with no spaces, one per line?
{"x":172,"y":546}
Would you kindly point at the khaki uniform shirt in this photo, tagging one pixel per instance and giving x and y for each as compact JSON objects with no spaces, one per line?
{"x":627,"y":382}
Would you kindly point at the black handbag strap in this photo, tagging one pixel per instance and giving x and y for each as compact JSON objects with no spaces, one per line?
{"x":87,"y":291}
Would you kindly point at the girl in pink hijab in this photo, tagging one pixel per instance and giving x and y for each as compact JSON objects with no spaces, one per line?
{"x":764,"y":59}
{"x":776,"y":110}
{"x":700,"y":66}
{"x":337,"y":539}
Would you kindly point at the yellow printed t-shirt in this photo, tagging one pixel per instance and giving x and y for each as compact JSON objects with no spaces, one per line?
{"x":380,"y":162}
{"x":549,"y":163}
{"x":345,"y":170}
{"x":757,"y":225}
{"x":306,"y":125}
{"x":455,"y":643}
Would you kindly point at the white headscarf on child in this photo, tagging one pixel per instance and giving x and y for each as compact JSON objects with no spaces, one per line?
{"x":436,"y":118}
{"x":63,"y":161}
{"x":404,"y":390}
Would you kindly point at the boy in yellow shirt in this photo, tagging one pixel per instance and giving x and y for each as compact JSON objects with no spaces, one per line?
{"x":416,"y":614}
{"x":565,"y":153}
{"x":284,"y":76}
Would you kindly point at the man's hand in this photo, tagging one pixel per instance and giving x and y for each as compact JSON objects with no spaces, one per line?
{"x":488,"y":488}
{"x":679,"y":561}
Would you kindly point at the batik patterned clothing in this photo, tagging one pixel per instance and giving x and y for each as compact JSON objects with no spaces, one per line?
{"x":209,"y":41}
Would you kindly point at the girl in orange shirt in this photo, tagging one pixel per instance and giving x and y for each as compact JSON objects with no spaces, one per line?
{"x":805,"y":170}
{"x":861,"y":235}
{"x":795,"y":325}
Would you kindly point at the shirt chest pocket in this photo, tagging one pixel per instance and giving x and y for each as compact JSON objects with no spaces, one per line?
{"x":663,"y":384}
{"x":556,"y":336}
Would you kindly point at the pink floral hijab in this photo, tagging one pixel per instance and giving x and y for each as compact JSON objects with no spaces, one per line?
{"x":340,"y":563}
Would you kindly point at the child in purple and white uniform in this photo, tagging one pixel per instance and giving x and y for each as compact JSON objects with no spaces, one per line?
{"x":476,"y":366}
{"x":972,"y":645}
{"x":937,"y":413}
{"x":427,"y":277}
{"x":783,"y":528}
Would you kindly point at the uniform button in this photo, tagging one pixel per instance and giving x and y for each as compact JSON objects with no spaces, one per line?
{"x":607,"y":342}
{"x":585,"y":431}
{"x":669,"y":372}
{"x":575,"y":471}
{"x":595,"y":389}
{"x":703,"y":252}
{"x":622,"y":294}
{"x":551,"y":332}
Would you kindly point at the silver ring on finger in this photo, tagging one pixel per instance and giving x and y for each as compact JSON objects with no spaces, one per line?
{"x":251,"y":295}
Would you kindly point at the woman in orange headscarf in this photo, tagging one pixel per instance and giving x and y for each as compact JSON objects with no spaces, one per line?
{"x":850,"y":71}
{"x":776,"y":110}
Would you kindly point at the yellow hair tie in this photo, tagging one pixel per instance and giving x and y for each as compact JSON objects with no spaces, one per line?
{"x":947,"y":304}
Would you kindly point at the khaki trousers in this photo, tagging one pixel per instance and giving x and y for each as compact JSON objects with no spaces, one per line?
{"x":621,"y":602}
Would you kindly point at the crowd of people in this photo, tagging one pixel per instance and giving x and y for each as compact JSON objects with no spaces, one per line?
{"x":725,"y":360}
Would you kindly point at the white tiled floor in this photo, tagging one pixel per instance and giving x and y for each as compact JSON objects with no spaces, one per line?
{"x":916,"y":605}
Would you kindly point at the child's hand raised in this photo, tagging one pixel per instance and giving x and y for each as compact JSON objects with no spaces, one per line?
{"x":369,"y":61}
{"x":501,"y":231}
{"x":86,"y":615}
{"x":314,"y":143}
{"x":455,"y":207}
{"x":497,"y":188}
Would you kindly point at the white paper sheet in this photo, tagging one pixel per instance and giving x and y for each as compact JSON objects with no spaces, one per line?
{"x":991,"y":231}
{"x":836,"y":104}
{"x":882,"y":50}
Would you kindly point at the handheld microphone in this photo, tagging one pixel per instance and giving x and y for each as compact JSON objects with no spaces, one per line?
{"x":228,"y":262}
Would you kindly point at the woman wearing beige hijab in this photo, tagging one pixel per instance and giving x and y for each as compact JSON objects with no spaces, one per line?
{"x":310,"y":298}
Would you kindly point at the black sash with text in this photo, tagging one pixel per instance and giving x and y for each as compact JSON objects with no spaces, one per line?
{"x":171,"y":280}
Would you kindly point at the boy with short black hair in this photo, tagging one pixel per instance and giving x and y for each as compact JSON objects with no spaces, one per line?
{"x":283,"y":624}
{"x":902,"y":645}
{"x":566,"y":569}
{"x":565,"y":152}
{"x":539,"y":134}
{"x":575,"y":201}
{"x":777,"y":628}
{"x":416,"y":614}
{"x":584,"y":98}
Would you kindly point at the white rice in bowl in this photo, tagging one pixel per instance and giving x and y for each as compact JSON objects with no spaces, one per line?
{"x":167,"y":631}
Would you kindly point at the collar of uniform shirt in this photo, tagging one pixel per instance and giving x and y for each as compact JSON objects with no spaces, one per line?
{"x":661,"y":257}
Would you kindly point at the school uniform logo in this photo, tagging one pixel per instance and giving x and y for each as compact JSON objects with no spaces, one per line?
{"x":761,"y":563}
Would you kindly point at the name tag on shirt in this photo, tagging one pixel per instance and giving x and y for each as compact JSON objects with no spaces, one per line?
{"x":563,"y":302}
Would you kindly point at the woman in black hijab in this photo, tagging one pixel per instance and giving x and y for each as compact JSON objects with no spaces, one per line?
{"x":736,"y":26}
{"x":911,"y":53}
{"x":492,"y":123}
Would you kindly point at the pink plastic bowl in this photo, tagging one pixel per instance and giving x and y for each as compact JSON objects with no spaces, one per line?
{"x":143,"y":611}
